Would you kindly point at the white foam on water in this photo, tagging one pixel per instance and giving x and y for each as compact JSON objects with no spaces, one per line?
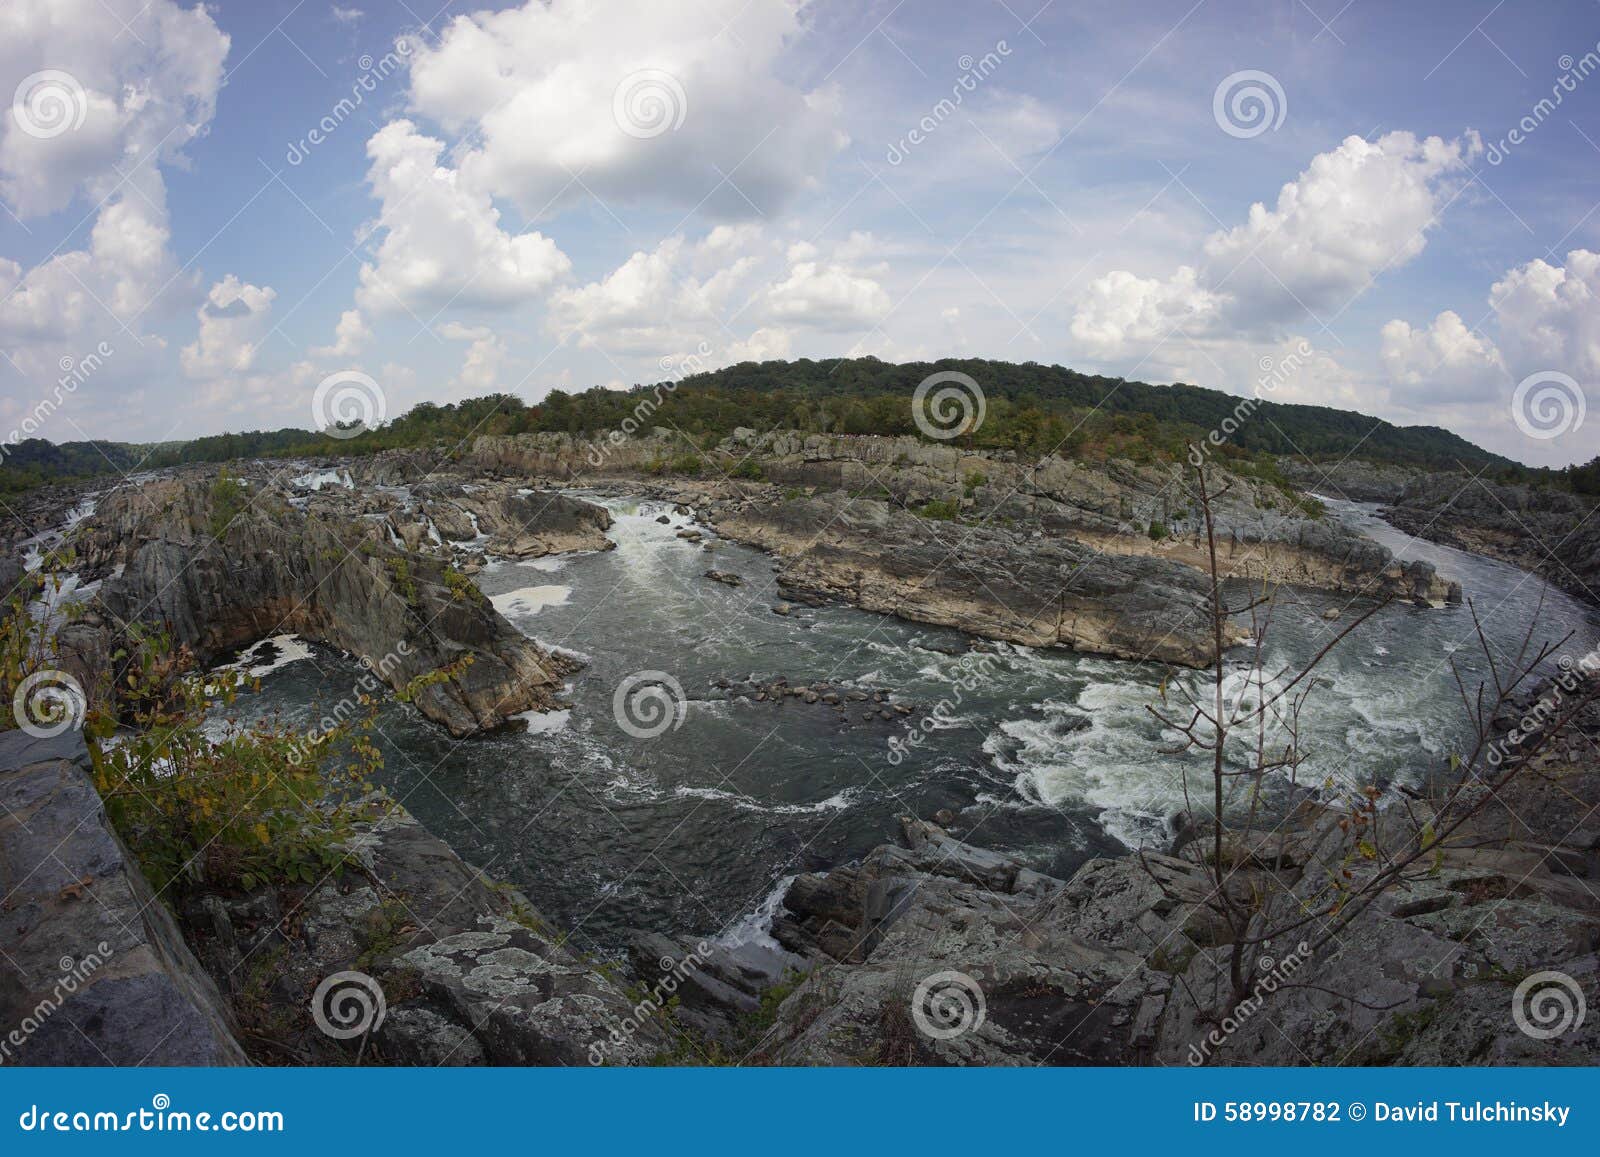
{"x":836,"y":802}
{"x":317,"y":479}
{"x":755,"y":926}
{"x":549,"y":564}
{"x":545,"y":722}
{"x":290,"y":648}
{"x":530,"y":600}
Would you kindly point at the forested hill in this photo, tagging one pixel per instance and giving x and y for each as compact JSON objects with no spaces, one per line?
{"x":1029,"y":408}
{"x":1275,"y":428}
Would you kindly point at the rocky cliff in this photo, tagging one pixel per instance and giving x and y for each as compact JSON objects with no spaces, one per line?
{"x":220,"y":569}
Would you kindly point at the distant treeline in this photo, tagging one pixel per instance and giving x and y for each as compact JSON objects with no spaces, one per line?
{"x":1030,"y":408}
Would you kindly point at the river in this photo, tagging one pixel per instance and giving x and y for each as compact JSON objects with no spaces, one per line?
{"x":1049,"y":755}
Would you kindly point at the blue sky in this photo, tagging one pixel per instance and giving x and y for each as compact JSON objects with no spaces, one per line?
{"x":496,"y":213}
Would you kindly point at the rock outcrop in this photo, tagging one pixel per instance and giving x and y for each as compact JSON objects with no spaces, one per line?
{"x":95,"y":971}
{"x":1553,"y":533}
{"x":1116,"y":507}
{"x":988,"y":581}
{"x":469,"y":972}
{"x":220,"y":571}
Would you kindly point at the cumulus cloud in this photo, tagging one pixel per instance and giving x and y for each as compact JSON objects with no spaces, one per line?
{"x":1542,"y":318}
{"x":480,"y":369}
{"x":350,"y":337}
{"x":232,"y":323}
{"x":102,"y":109}
{"x":442,"y":243}
{"x":630,"y":100}
{"x":1122,"y":309}
{"x":1549,"y":316}
{"x":1354,"y":213}
{"x":99,"y":98}
{"x":826,"y":295}
{"x":1445,"y":360}
{"x":682,"y":294}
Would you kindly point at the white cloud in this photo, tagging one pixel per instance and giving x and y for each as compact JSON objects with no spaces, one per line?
{"x":826,"y":295}
{"x":1356,"y":212}
{"x":232,"y":323}
{"x":350,"y":337}
{"x":1549,"y":316}
{"x":480,"y":369}
{"x":682,"y":294}
{"x":536,"y":88}
{"x":1120,"y":308}
{"x":770,"y":343}
{"x":149,"y":89}
{"x":442,"y":241}
{"x":1446,"y":361}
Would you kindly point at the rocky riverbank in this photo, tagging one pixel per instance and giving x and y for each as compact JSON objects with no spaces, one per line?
{"x":1117,"y":964}
{"x":1108,"y":560}
{"x":1552,"y":533}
